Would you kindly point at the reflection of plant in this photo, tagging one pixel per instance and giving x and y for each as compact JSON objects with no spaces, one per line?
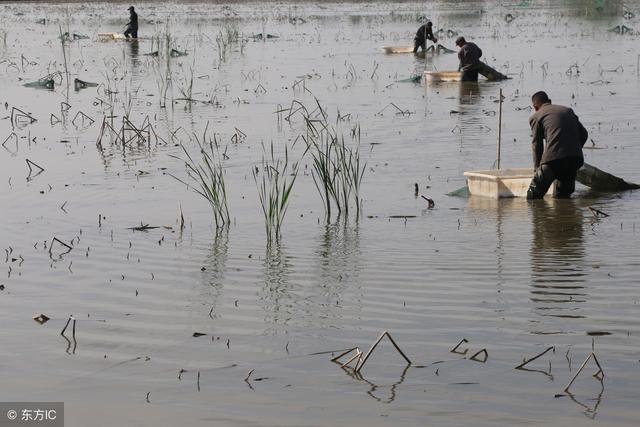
{"x":274,"y":190}
{"x":208,"y":174}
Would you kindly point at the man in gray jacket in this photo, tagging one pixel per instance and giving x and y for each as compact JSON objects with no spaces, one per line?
{"x":469,"y":56}
{"x":562,"y":156}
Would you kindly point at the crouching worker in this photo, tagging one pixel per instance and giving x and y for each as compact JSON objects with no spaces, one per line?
{"x":469,"y":56}
{"x":424,"y":33}
{"x":562,"y":156}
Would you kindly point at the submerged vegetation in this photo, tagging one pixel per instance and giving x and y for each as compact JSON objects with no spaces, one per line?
{"x":338,"y":169}
{"x":206,"y":173}
{"x":274,"y":184}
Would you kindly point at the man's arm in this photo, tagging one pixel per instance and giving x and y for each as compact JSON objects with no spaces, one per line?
{"x":431,"y":37}
{"x":537,"y":144}
{"x":461,"y":58}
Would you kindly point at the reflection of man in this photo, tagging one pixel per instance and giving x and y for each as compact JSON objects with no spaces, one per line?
{"x":132,"y":26}
{"x":469,"y":56}
{"x":424,"y":33}
{"x":562,"y":157}
{"x":557,"y":252}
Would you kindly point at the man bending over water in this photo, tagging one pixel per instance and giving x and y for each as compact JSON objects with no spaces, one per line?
{"x":562,"y":156}
{"x":424,"y":33}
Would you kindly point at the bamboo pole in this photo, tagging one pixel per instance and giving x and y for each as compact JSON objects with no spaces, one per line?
{"x":499,"y":129}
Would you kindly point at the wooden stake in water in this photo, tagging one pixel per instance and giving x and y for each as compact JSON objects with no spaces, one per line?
{"x":499,"y":129}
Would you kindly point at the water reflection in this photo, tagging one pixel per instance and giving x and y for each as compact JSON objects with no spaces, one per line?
{"x":214,"y":270}
{"x":469,"y":93}
{"x":277,"y":293}
{"x":375,"y":389}
{"x":471,"y":118}
{"x":557,"y":251}
{"x":134,"y":53}
{"x":338,"y":256}
{"x":590,"y":411}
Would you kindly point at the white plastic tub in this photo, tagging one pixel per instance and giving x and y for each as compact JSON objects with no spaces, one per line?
{"x":500,"y":183}
{"x":442,"y":76}
{"x":103,"y":37}
{"x":397,"y":49}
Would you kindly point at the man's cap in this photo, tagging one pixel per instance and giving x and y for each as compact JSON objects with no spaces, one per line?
{"x":131,"y":8}
{"x":460,"y":41}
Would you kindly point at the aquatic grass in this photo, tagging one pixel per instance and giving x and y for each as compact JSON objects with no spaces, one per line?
{"x":207,"y":173}
{"x":274,"y":189}
{"x":338,"y":169}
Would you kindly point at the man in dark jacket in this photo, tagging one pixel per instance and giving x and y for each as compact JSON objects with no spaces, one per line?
{"x":562,"y":156}
{"x":469,"y":57}
{"x":424,"y":33}
{"x":132,"y":26}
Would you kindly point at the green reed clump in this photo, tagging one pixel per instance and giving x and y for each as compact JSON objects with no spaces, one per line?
{"x":337,"y":167}
{"x":274,"y":189}
{"x":207,"y":173}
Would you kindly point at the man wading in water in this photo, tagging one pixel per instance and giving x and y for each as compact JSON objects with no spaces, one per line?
{"x":132,"y":26}
{"x":423,"y":34}
{"x":562,"y":157}
{"x":469,"y":57}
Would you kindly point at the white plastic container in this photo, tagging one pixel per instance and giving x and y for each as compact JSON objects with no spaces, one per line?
{"x":442,"y":76}
{"x":103,"y":37}
{"x":501,"y":183}
{"x":397,"y":49}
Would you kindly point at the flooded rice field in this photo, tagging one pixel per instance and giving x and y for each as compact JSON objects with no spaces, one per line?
{"x":180,"y":322}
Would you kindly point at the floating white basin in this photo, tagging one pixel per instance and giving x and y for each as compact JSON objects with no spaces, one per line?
{"x":500,"y":183}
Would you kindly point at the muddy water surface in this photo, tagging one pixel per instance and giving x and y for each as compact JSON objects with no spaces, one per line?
{"x":511,"y":277}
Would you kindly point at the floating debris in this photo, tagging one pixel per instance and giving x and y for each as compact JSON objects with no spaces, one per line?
{"x":413,"y":79}
{"x":261,"y":36}
{"x":175,"y":53}
{"x":621,"y":29}
{"x":457,"y":346}
{"x":431,"y":203}
{"x":360,"y":360}
{"x":41,"y":84}
{"x":598,"y":213}
{"x":67,"y":324}
{"x":599,"y":375}
{"x":81,"y":84}
{"x":476,"y":356}
{"x":527,"y":361}
{"x":41,"y":318}
{"x":142,"y":227}
{"x":67,"y":37}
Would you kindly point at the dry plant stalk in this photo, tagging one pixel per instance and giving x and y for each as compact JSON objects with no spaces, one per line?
{"x":527,"y":361}
{"x":361,"y":364}
{"x":599,"y":375}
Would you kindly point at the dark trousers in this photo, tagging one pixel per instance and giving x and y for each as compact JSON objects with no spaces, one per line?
{"x":470,"y":73}
{"x":133,"y":32}
{"x":562,"y":171}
